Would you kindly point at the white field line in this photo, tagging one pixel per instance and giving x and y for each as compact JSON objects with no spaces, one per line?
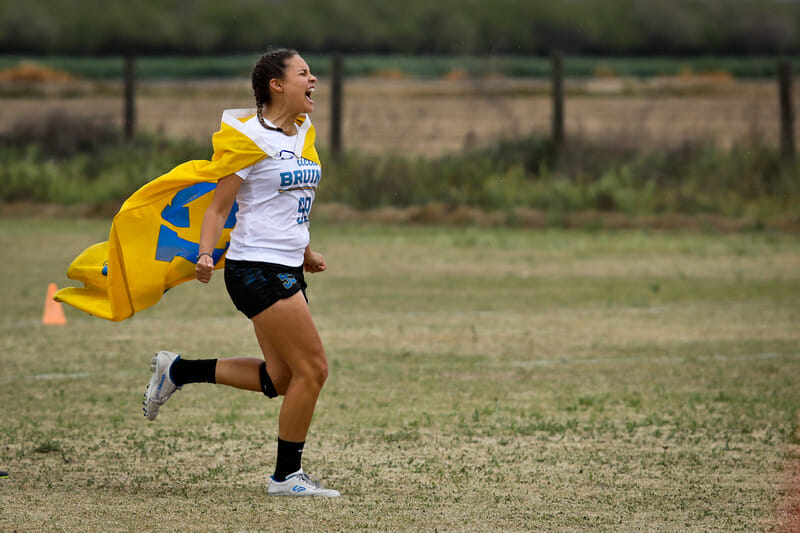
{"x":65,"y":375}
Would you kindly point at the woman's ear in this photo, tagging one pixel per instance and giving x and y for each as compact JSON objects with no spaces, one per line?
{"x":276,"y":84}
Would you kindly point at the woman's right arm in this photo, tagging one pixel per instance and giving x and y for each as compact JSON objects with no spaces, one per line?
{"x":213,"y":222}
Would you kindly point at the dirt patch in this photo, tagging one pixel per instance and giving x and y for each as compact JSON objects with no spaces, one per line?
{"x":788,"y":512}
{"x":29,"y":79}
{"x":525,"y":217}
{"x":32,"y":72}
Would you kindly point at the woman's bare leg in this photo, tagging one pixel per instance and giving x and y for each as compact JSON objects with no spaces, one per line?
{"x":277,"y":370}
{"x":294,"y":339}
{"x":239,"y":372}
{"x":245,"y":372}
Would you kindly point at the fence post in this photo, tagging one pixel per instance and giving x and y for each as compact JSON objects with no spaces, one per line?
{"x":787,"y":108}
{"x":337,"y":68}
{"x":557,"y":129}
{"x":130,"y":96}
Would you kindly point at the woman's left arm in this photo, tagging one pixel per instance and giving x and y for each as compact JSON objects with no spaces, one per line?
{"x":313,"y":261}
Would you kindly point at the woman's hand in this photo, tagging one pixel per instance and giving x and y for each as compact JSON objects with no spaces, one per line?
{"x":313,"y":261}
{"x":213,"y":222}
{"x":204,"y":268}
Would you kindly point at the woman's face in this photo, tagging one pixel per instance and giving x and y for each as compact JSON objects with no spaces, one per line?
{"x":297,"y":85}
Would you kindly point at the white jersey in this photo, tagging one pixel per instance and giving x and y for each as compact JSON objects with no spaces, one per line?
{"x":275,"y":201}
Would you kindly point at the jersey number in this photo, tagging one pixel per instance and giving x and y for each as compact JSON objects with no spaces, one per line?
{"x":303,"y":209}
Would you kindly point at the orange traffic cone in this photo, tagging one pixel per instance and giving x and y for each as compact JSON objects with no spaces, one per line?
{"x":53,"y":312}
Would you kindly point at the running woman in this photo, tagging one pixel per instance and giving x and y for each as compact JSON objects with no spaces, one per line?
{"x":264,"y":266}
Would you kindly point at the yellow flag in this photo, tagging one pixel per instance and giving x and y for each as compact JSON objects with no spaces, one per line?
{"x":153,"y":242}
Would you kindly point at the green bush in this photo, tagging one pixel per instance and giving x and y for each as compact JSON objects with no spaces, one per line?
{"x":752,"y":181}
{"x":110,"y":173}
{"x":62,"y":135}
{"x":692,"y":179}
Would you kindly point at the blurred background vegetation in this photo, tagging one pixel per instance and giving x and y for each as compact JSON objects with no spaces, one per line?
{"x":77,"y":158}
{"x":516,"y":27}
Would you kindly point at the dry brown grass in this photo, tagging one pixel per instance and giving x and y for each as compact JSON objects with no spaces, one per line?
{"x":430,"y":118}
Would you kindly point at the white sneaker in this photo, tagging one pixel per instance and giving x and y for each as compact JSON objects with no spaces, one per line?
{"x":299,"y":484}
{"x":161,"y":386}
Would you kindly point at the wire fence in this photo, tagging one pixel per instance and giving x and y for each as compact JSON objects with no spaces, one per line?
{"x":431,"y":118}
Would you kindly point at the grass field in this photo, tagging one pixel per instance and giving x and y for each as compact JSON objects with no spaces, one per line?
{"x":481,"y":379}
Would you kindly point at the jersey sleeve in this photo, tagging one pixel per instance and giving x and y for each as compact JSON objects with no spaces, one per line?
{"x":245,"y":172}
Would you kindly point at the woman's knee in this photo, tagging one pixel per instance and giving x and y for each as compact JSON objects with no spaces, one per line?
{"x":315,"y":370}
{"x":321,"y":369}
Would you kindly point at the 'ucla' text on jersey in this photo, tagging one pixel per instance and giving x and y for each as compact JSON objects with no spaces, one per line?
{"x":305,"y":177}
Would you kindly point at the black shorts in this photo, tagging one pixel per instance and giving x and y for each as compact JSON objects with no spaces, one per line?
{"x":253,"y":286}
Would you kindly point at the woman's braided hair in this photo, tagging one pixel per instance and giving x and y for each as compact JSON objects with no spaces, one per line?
{"x":271,"y":66}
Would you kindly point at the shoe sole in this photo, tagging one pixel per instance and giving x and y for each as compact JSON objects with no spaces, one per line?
{"x":153,"y":414}
{"x":303,"y":495}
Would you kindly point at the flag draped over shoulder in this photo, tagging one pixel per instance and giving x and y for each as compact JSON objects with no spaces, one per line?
{"x":153,"y":242}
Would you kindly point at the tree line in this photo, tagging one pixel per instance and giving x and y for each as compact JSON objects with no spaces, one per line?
{"x":525,"y":27}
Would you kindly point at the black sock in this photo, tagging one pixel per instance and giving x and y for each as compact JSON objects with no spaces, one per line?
{"x":290,"y":455}
{"x":185,"y":371}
